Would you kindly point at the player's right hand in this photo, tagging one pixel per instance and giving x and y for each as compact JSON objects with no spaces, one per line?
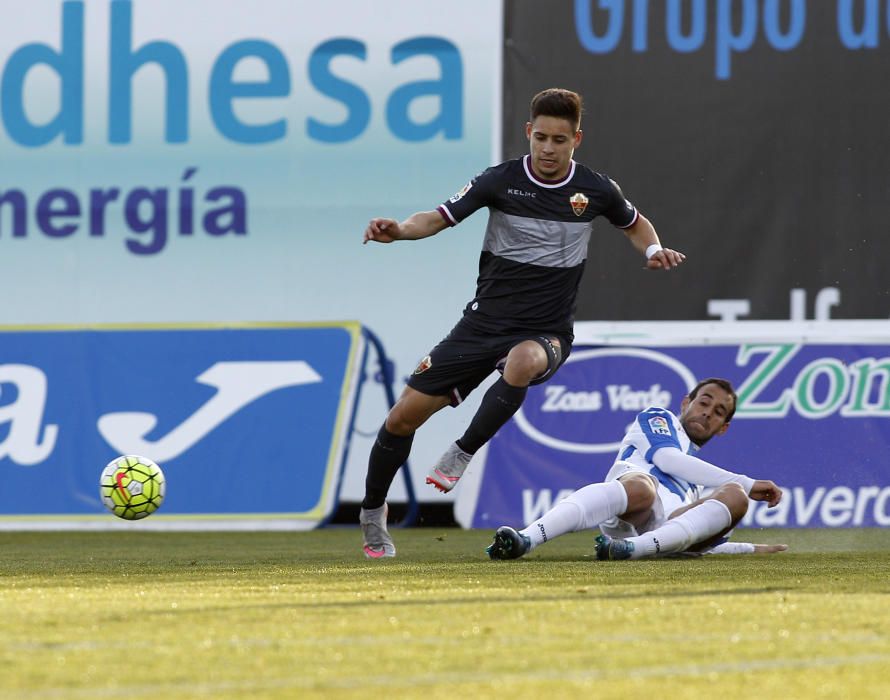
{"x":766,"y":490}
{"x":382,"y":231}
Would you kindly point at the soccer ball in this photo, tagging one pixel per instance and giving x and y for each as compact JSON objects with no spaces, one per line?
{"x":132,"y":487}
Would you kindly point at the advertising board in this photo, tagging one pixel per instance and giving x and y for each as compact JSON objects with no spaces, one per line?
{"x":813,"y":415}
{"x":192,"y":162}
{"x":250,"y":423}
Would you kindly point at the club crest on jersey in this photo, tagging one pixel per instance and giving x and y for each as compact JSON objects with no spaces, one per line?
{"x":460,"y":195}
{"x":579,"y":203}
{"x":659,"y":425}
{"x":423,"y":365}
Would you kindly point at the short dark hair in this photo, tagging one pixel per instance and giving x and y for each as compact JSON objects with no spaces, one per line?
{"x":560,"y":103}
{"x":724,"y":384}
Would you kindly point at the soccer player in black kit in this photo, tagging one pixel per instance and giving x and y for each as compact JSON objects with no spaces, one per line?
{"x":541,"y":212}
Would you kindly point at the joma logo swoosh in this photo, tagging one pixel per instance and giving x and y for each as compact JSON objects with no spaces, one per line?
{"x":238,"y":384}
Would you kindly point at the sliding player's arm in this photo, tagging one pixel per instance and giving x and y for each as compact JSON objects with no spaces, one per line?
{"x":697,"y":471}
{"x":745,"y":548}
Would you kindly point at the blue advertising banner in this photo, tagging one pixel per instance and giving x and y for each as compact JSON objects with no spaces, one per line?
{"x":212,"y":162}
{"x":247,"y":422}
{"x":813,"y":415}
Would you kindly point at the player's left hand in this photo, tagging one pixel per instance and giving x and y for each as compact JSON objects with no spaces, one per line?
{"x":665,"y":259}
{"x":766,"y":490}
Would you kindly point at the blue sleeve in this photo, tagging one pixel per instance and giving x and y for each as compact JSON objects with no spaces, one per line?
{"x":475,"y":195}
{"x":657,"y":426}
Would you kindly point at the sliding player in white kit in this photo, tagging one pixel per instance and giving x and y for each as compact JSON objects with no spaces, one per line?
{"x":653,"y":500}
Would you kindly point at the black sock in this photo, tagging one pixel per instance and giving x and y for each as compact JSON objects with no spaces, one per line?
{"x":500,"y":402}
{"x":388,"y":454}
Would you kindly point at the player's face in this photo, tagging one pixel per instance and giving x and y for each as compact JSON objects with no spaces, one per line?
{"x":705,"y":416}
{"x":552,"y":141}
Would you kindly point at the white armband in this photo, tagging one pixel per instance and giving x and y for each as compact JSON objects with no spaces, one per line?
{"x":652,"y":250}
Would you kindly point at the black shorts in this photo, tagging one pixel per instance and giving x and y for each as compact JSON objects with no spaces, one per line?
{"x":459,"y":363}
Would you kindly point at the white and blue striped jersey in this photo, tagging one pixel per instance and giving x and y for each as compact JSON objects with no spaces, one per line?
{"x":653,"y":429}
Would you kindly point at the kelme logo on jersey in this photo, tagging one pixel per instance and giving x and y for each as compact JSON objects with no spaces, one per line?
{"x":579,"y":203}
{"x":423,"y":365}
{"x":460,"y":195}
{"x":659,"y":425}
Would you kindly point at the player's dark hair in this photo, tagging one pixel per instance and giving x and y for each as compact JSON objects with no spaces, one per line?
{"x":560,"y":103}
{"x":724,"y":384}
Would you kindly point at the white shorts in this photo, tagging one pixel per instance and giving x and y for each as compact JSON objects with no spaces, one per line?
{"x":666,"y":502}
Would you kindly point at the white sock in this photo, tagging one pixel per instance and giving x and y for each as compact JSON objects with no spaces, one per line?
{"x":695,"y":525}
{"x":582,"y":510}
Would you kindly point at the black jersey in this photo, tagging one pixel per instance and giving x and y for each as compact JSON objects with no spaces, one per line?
{"x":535,"y":243}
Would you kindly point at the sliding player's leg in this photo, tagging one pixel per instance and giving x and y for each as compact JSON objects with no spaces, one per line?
{"x":630,"y":499}
{"x":697,"y":524}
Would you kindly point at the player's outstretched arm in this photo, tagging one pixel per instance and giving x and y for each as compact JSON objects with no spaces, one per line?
{"x":745,"y":548}
{"x":420,"y":225}
{"x":642,"y":235}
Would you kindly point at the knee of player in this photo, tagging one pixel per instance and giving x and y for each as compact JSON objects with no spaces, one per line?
{"x":735,"y":498}
{"x":526,"y":361}
{"x":412,"y":410}
{"x":401,"y":421}
{"x":640,"y":492}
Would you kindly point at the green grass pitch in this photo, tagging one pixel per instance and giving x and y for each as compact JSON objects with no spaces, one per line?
{"x":304,"y":615}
